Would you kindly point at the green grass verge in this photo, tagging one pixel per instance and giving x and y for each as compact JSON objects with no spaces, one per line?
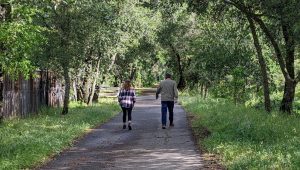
{"x":246,"y":138}
{"x":29,"y":142}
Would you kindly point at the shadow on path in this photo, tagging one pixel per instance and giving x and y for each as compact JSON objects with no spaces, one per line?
{"x":147,"y":146}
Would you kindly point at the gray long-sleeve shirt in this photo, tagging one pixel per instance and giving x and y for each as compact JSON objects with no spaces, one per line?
{"x":168,"y":90}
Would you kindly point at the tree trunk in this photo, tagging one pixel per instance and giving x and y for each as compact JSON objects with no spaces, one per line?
{"x":262,"y":64}
{"x":94,"y":84}
{"x":202,"y":89}
{"x":113,"y":60}
{"x":290,"y":85}
{"x":290,"y":49}
{"x":75,"y":89}
{"x":205,"y":91}
{"x":91,"y":96}
{"x":1,"y":96}
{"x":87,"y":79}
{"x":287,"y":67}
{"x":235,"y":94}
{"x":67,"y":91}
{"x":86,"y":88}
{"x":132,"y":74}
{"x":47,"y":88}
{"x":79,"y":94}
{"x":86,"y":84}
{"x":1,"y":86}
{"x":288,"y":97}
{"x":181,"y":83}
{"x":268,"y":34}
{"x":5,"y":12}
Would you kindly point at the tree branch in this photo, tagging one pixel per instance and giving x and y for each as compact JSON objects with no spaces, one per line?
{"x":268,"y":33}
{"x":44,"y":20}
{"x":297,"y":80}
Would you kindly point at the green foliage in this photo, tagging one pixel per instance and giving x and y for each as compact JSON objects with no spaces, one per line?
{"x":222,"y":58}
{"x":175,"y":35}
{"x":246,"y":138}
{"x":135,"y":48}
{"x":26,"y":143}
{"x":210,"y":48}
{"x":21,"y":39}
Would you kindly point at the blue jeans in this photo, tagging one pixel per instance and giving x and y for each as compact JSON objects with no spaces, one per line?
{"x":165,"y":106}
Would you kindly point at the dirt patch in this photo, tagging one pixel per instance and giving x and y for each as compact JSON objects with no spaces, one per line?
{"x":210,"y":161}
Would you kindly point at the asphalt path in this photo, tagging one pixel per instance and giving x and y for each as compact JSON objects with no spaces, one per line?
{"x":146,"y":146}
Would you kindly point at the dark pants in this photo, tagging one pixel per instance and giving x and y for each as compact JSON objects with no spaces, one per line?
{"x":165,"y":106}
{"x":125,"y":112}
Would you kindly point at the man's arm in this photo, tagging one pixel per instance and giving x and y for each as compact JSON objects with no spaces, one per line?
{"x":175,"y":91}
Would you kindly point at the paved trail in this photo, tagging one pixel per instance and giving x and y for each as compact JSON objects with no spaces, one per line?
{"x":146,"y":146}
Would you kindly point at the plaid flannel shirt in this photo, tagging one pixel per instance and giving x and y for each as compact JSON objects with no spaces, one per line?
{"x":127,"y":98}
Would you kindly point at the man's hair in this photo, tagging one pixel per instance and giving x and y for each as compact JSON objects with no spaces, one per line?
{"x":168,"y":75}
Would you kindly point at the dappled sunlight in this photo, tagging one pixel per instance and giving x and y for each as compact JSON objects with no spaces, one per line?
{"x":93,"y":130}
{"x":236,"y":63}
{"x":158,"y":159}
{"x":146,"y":146}
{"x":246,"y":137}
{"x":133,"y":159}
{"x":27,"y":142}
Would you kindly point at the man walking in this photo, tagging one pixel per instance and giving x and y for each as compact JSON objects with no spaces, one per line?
{"x":168,"y":90}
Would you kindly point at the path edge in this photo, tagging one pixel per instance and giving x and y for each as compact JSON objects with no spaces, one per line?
{"x":210,"y":161}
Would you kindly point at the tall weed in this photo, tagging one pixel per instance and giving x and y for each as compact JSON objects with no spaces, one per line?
{"x":246,"y":138}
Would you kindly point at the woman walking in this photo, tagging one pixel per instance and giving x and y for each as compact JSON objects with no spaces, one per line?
{"x":127,"y":99}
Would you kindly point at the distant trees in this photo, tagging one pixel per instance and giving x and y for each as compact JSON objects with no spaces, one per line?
{"x":241,"y":50}
{"x":175,"y":35}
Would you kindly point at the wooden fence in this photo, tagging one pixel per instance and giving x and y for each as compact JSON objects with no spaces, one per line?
{"x":21,"y":97}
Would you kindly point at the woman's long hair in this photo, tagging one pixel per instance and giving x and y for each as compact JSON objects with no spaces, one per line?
{"x":127,"y":85}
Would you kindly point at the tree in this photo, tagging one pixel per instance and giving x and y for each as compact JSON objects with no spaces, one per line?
{"x":262,"y":64}
{"x":221,"y":59}
{"x":280,"y":12}
{"x":177,"y":29}
{"x":136,"y":33}
{"x":68,"y":29}
{"x":20,"y":39}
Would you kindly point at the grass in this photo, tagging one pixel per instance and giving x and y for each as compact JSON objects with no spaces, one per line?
{"x":246,"y":138}
{"x":27,"y":143}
